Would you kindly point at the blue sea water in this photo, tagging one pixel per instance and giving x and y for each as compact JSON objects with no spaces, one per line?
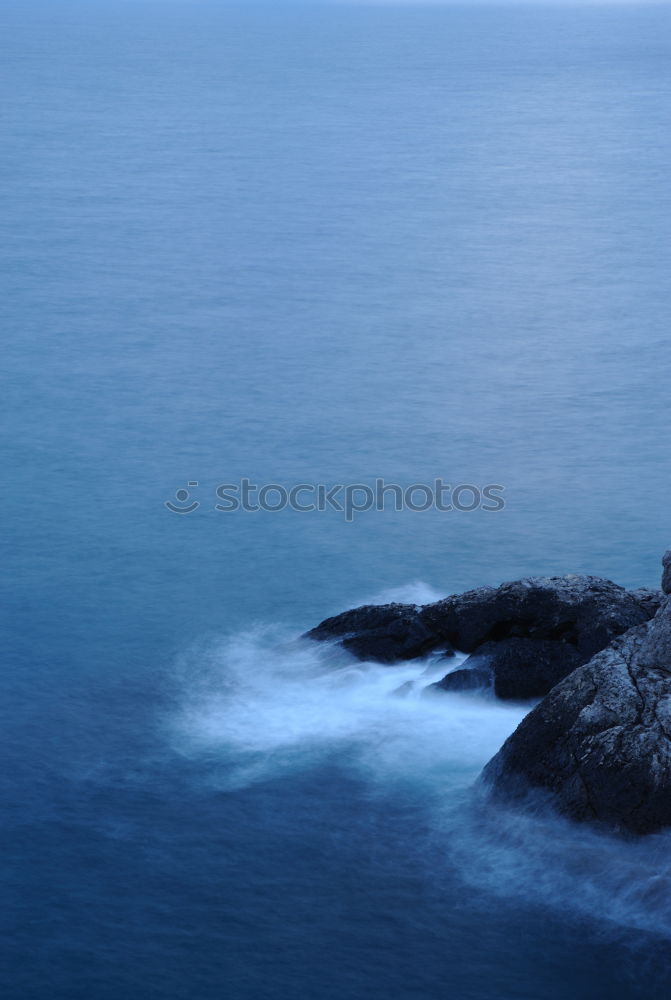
{"x":314,"y":244}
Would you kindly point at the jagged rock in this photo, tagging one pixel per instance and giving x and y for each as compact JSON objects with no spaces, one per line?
{"x":584,"y":611}
{"x":649,"y":600}
{"x":387,"y":633}
{"x":666,"y":574}
{"x":600,"y":743}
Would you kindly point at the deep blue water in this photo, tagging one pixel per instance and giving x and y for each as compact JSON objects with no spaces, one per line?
{"x":314,"y":244}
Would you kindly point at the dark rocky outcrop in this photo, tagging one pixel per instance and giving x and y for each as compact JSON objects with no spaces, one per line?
{"x":532,"y":633}
{"x":649,"y":600}
{"x":567,"y":618}
{"x":517,"y":668}
{"x":600,"y":742}
{"x":386,"y":633}
{"x":585,"y":611}
{"x":598,"y":745}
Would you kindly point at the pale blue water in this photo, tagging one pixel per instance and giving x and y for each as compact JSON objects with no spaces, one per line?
{"x":317,"y":244}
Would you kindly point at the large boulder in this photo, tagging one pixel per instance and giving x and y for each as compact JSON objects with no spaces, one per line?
{"x":386,"y":633}
{"x":600,"y":743}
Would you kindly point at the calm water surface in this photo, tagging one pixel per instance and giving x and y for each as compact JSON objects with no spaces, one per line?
{"x":314,"y":244}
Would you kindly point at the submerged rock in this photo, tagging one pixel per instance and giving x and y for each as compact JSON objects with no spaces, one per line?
{"x":405,"y":690}
{"x":600,"y":742}
{"x":465,"y":679}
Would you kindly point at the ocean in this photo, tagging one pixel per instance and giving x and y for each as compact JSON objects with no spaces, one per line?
{"x":315,"y":244}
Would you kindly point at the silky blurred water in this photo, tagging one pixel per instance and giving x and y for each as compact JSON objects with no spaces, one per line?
{"x":316,"y":244}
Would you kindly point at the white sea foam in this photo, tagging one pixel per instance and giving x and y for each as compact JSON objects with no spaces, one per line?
{"x":259,"y":705}
{"x":416,"y":592}
{"x":272,"y":703}
{"x":570,"y":867}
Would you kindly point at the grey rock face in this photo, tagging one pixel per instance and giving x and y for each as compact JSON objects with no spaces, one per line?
{"x":600,"y":742}
{"x":649,"y":600}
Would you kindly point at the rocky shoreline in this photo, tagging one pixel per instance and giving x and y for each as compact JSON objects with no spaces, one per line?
{"x":598,"y":744}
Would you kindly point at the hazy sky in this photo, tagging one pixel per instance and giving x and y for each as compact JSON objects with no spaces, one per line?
{"x":469,"y":3}
{"x":461,"y":3}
